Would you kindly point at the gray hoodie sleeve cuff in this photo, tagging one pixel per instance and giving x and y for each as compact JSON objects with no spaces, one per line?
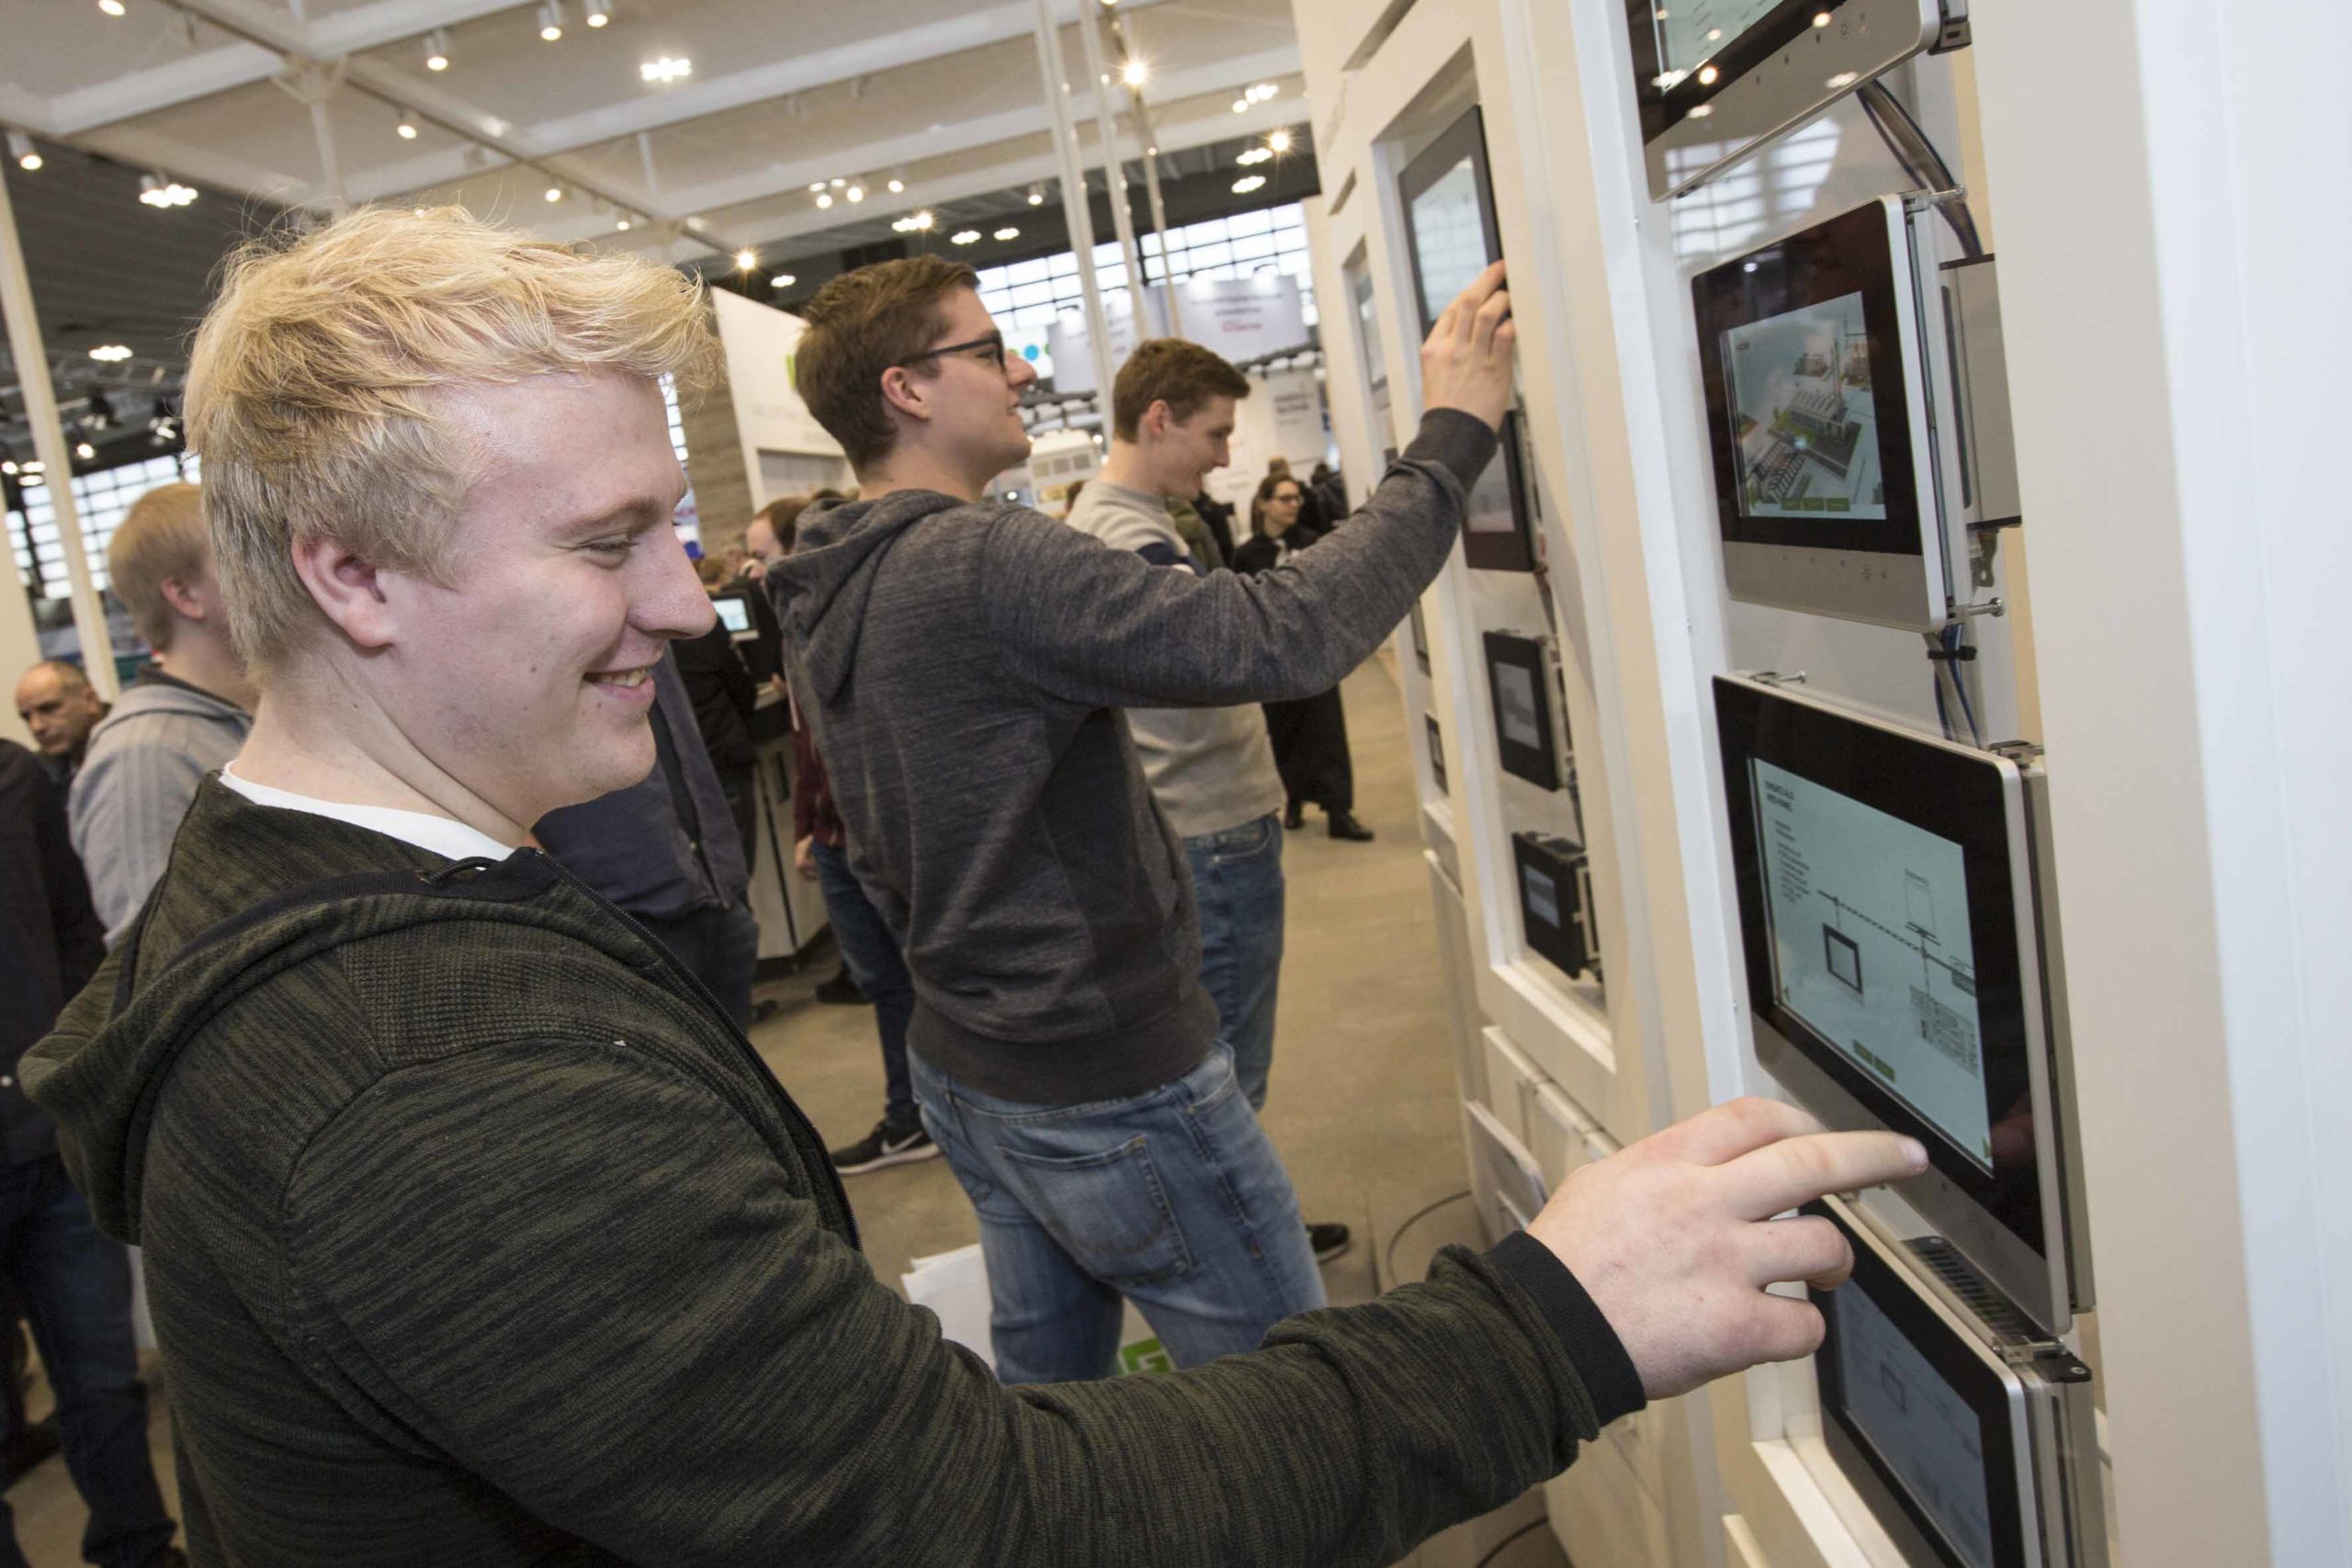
{"x":1463,"y":443}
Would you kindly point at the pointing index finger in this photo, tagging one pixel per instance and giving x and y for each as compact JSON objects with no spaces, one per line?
{"x":1796,"y":1171}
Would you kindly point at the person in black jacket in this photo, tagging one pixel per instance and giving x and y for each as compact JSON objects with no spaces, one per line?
{"x":1310,"y":735}
{"x":73,"y":1283}
{"x":724,"y":696}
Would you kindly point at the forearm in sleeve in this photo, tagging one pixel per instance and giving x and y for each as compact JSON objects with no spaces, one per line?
{"x":691,"y":1371}
{"x":1100,"y":627}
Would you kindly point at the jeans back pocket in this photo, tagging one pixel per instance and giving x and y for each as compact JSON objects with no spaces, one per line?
{"x":1108,"y":1209}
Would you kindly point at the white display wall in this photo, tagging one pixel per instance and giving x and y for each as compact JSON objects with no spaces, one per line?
{"x":2164,"y":650}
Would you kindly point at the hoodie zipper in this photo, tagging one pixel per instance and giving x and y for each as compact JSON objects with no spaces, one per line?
{"x":691,"y":984}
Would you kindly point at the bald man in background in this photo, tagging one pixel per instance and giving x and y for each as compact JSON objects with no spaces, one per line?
{"x":61,"y":707}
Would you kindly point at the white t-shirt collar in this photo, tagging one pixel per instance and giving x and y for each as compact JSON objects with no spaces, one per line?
{"x":436,"y":835}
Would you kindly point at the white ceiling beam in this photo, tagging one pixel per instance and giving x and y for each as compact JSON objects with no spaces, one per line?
{"x":230,"y":66}
{"x":983,"y":131}
{"x":705,"y":97}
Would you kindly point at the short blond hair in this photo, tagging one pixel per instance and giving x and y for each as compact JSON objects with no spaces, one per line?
{"x":310,"y":387}
{"x":161,"y":539}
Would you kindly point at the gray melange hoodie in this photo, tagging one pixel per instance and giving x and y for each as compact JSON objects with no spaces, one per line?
{"x":144,"y":762}
{"x":964,"y":667}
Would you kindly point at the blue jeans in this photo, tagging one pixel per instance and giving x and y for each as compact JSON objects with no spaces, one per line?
{"x":1173,"y":1199}
{"x":871,"y":954}
{"x":1238,"y":882}
{"x":76,"y":1286}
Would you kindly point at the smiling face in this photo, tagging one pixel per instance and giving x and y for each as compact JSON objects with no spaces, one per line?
{"x":974,"y":400}
{"x":1186,"y":451}
{"x":529,"y":680}
{"x":1282,"y":508}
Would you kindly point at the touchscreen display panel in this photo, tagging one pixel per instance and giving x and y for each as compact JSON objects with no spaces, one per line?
{"x":1804,"y":425}
{"x":734,"y":614}
{"x":1515,"y":705}
{"x":1870,"y":948}
{"x":1449,"y":235}
{"x":1921,"y":1428}
{"x":1690,"y":32}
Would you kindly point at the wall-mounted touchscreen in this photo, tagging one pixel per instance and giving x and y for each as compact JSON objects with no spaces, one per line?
{"x":1890,"y":924}
{"x":1450,"y":230}
{"x":1817,"y":422}
{"x":1530,"y":730}
{"x":1555,"y":902}
{"x":1714,"y":79}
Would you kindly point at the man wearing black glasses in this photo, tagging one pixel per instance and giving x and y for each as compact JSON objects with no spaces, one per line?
{"x":966,"y":666}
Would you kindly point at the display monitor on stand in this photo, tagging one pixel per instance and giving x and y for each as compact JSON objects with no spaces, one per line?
{"x":734,"y":609}
{"x":1450,"y":230}
{"x":1972,"y":1438}
{"x":1891,"y":921}
{"x":1715,"y":79}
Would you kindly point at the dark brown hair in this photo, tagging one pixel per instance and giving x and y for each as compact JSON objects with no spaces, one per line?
{"x":784,"y":518}
{"x":1184,"y":375}
{"x":861,"y":325}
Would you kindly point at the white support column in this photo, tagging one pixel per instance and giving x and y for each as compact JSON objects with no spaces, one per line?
{"x":1132,"y":46}
{"x":1056,"y":80}
{"x":2178,"y":328}
{"x":1114,"y":168}
{"x":56,"y":458}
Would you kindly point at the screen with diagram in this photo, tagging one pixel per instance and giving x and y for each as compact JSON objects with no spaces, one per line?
{"x":1924,"y":1431}
{"x":1801,"y":415}
{"x":1871,"y":948}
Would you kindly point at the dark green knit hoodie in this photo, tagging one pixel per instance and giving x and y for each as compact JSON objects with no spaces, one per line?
{"x":476,"y":1234}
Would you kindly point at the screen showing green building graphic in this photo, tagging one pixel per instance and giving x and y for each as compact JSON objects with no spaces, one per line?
{"x":1802,"y":417}
{"x":1920,"y":1426}
{"x":1870,"y":948}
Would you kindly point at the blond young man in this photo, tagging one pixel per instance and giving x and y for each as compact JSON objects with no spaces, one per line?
{"x":185,"y":715}
{"x":477,"y":1235}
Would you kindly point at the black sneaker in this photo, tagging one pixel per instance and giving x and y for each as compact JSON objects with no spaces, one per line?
{"x":1330,"y":1241}
{"x":841,"y":990}
{"x":885,"y":1146}
{"x":1344,"y":826}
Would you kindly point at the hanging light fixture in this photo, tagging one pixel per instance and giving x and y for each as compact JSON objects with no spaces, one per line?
{"x":20,"y":147}
{"x":436,"y":50}
{"x":747,"y":260}
{"x":551,"y":20}
{"x":596,"y":13}
{"x":555,"y":193}
{"x":407,"y":126}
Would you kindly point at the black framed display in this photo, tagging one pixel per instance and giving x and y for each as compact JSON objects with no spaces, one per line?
{"x":1713,"y":79}
{"x":1452,"y":235}
{"x":1555,"y":902}
{"x":1818,"y":423}
{"x":1530,"y":728}
{"x":1924,"y":1418}
{"x":734,"y":609}
{"x":1437,"y":753}
{"x":1890,"y":939}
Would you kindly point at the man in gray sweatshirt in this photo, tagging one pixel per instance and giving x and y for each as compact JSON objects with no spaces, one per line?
{"x":965,"y":666}
{"x":187,"y":713}
{"x":1211,"y":769}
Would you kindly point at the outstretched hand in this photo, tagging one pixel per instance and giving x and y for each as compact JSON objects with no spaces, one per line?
{"x":1466,"y":364}
{"x":1674,"y":1238}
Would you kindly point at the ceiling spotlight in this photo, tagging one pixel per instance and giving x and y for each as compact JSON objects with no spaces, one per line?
{"x":1007,"y":232}
{"x":83,"y":449}
{"x":747,"y":259}
{"x":925,"y":221}
{"x":156,"y":191}
{"x":110,"y":353}
{"x":837,"y":183}
{"x":665,"y":70}
{"x":781,"y":280}
{"x":555,"y":193}
{"x":622,"y":226}
{"x":1036,"y":196}
{"x":436,"y":50}
{"x":856,"y":193}
{"x":1822,"y":18}
{"x":1134,"y":73}
{"x":1700,"y":111}
{"x":551,"y":20}
{"x":897,"y":186}
{"x":814,"y":185}
{"x":9,"y":465}
{"x":1278,"y":142}
{"x":1263,"y":90}
{"x":20,"y":147}
{"x":1240,"y":105}
{"x":824,"y":198}
{"x":965,"y":237}
{"x":1248,"y":183}
{"x":697,"y":223}
{"x":1707,"y":74}
{"x":598,"y":13}
{"x":407,"y":126}
{"x":111,"y":8}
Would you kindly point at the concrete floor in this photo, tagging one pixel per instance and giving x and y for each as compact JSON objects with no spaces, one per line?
{"x":1362,"y":1104}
